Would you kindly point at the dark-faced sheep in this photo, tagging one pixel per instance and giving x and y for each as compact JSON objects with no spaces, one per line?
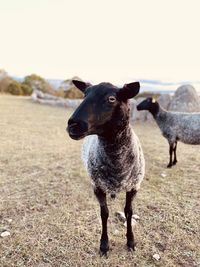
{"x":175,"y":126}
{"x":111,"y":152}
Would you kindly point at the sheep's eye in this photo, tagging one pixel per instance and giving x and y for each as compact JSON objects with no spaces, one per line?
{"x":111,"y":99}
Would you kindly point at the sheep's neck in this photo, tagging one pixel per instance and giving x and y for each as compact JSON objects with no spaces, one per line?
{"x":161,"y":117}
{"x":155,"y":110}
{"x":114,"y":141}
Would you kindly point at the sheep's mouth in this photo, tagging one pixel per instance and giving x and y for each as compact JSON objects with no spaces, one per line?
{"x":74,"y":134}
{"x":77,"y":136}
{"x":77,"y":130}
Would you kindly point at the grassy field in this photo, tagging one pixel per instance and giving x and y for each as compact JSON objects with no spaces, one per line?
{"x":47,"y":203}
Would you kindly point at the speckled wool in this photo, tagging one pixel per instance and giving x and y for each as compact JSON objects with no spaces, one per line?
{"x":178,"y":126}
{"x":114,"y":166}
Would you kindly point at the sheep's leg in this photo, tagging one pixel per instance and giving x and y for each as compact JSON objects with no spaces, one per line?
{"x":104,"y":244}
{"x":175,"y":158}
{"x":170,"y":156}
{"x":128,"y":213}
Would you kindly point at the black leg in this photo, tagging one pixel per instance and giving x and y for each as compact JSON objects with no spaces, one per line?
{"x":104,"y":245}
{"x":128,"y":213}
{"x":175,"y":158}
{"x":170,"y":156}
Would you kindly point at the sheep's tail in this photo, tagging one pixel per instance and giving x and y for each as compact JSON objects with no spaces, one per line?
{"x":113,"y":196}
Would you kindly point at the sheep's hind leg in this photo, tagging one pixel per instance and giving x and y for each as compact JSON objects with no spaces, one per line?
{"x":175,"y":158}
{"x":170,"y":156}
{"x":128,"y":213}
{"x":104,"y":244}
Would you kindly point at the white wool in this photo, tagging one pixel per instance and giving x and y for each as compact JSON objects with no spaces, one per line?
{"x":184,"y":127}
{"x":130,"y":174}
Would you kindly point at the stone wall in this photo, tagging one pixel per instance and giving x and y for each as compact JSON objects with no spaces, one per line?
{"x":185,"y":99}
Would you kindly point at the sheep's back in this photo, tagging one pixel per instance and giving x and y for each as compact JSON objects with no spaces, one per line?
{"x":180,"y":126}
{"x":188,"y":128}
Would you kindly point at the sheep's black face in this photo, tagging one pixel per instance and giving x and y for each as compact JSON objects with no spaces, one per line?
{"x":149,"y":104}
{"x":146,"y":104}
{"x":104,"y":109}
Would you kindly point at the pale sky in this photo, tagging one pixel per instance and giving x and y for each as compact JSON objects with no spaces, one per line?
{"x":101,"y":40}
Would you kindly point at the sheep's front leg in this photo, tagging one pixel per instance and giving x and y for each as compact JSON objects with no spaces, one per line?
{"x":104,"y":245}
{"x":170,"y":156}
{"x":175,"y":158}
{"x":128,"y":213}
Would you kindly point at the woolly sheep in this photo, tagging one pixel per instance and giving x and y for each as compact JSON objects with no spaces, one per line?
{"x":111,"y":152}
{"x":175,"y":126}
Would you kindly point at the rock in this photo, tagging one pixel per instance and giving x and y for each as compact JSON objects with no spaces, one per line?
{"x":134,"y":222}
{"x":139,"y":115}
{"x":116,"y":232}
{"x":5,"y":234}
{"x":136,"y":217}
{"x":9,"y":220}
{"x":164,"y":101}
{"x":47,"y":99}
{"x":156,"y":256}
{"x":163,"y":175}
{"x":120,"y":215}
{"x":185,"y":99}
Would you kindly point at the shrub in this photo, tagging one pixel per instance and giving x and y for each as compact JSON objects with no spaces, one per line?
{"x":4,"y":84}
{"x":36,"y":82}
{"x":60,"y":92}
{"x":14,"y":88}
{"x":26,"y":90}
{"x":148,"y":94}
{"x":73,"y":92}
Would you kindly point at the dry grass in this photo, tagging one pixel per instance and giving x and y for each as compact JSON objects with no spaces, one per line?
{"x":45,"y":190}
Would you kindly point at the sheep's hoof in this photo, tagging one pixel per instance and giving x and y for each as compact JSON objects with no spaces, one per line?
{"x":113,"y":196}
{"x":104,"y":248}
{"x":174,"y":162}
{"x":169,"y":165}
{"x":130,"y":246}
{"x":103,"y":254}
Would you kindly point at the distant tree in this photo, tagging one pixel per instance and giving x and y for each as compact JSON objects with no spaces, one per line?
{"x":60,"y":92}
{"x":5,"y":80}
{"x":73,"y":92}
{"x":3,"y":74}
{"x":36,"y":82}
{"x":68,"y":90}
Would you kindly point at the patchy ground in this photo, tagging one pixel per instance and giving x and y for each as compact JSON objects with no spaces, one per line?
{"x":47,"y":204}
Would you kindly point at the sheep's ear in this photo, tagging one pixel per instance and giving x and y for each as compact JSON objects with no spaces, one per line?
{"x":129,"y":90}
{"x":153,"y":100}
{"x":81,"y":85}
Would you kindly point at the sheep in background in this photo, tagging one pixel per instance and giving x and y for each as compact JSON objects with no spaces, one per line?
{"x":111,"y":152}
{"x":175,"y":126}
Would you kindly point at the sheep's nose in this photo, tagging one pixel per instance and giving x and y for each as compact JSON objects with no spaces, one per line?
{"x":72,"y":122}
{"x":77,"y":128}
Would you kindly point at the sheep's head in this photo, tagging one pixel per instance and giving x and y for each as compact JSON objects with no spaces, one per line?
{"x":149,"y":104}
{"x":104,"y":109}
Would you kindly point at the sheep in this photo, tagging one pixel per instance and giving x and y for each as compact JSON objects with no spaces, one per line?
{"x":175,"y":126}
{"x":111,"y":150}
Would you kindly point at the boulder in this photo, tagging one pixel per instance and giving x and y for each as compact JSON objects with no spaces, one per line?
{"x":164,"y":101}
{"x":42,"y":98}
{"x":185,"y":99}
{"x":139,"y":115}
